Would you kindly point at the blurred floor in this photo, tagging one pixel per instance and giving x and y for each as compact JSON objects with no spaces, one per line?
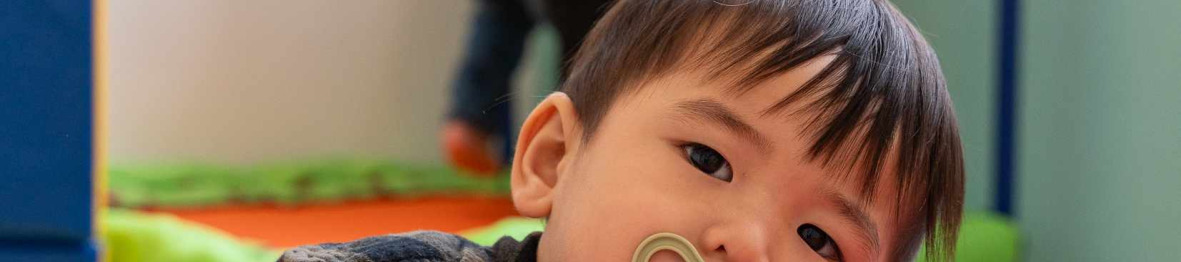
{"x":279,"y":226}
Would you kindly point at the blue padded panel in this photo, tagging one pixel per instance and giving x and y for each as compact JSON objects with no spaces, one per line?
{"x":45,"y":126}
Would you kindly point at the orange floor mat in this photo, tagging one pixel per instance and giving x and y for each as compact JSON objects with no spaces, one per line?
{"x":278,"y":226}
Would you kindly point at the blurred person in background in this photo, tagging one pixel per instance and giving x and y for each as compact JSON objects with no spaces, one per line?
{"x":480,"y":111}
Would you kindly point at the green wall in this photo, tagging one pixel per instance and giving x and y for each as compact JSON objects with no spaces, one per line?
{"x":1099,"y":125}
{"x":962,"y":33}
{"x":1100,"y":130}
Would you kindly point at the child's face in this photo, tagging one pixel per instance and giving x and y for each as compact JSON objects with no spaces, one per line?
{"x":685,"y":157}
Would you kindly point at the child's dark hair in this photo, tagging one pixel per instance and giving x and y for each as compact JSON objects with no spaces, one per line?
{"x":881,"y":99}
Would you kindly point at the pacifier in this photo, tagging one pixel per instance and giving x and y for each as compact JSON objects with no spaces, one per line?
{"x":666,"y":241}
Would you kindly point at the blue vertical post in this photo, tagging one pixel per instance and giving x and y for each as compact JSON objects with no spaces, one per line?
{"x":46,"y":131}
{"x":1007,"y":45}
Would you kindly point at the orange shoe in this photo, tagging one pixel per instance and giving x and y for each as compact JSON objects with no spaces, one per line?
{"x":468,"y":149}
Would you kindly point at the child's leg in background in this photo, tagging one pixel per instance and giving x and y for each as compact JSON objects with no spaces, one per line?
{"x":480,"y":106}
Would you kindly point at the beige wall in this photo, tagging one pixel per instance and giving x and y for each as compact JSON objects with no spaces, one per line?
{"x":245,"y":81}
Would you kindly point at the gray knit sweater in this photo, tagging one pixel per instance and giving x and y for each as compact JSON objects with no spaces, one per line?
{"x":417,"y":246}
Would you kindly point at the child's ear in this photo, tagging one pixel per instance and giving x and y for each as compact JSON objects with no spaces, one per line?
{"x":545,"y":148}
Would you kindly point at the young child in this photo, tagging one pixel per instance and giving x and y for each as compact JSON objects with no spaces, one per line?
{"x":758,"y":130}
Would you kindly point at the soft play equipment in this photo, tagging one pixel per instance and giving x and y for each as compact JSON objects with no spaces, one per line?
{"x":139,"y":236}
{"x":189,"y":190}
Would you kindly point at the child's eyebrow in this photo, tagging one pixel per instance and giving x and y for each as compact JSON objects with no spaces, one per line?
{"x":855,"y":215}
{"x":714,"y":111}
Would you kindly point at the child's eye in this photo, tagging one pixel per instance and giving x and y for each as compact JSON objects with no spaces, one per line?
{"x":819,"y":242}
{"x":709,"y":161}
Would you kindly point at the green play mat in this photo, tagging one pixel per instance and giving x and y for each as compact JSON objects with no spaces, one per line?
{"x":289,"y":183}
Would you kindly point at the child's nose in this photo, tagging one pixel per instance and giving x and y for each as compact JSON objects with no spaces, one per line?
{"x":734,"y":242}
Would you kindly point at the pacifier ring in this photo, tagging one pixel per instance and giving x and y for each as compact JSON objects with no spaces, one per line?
{"x":666,"y":241}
